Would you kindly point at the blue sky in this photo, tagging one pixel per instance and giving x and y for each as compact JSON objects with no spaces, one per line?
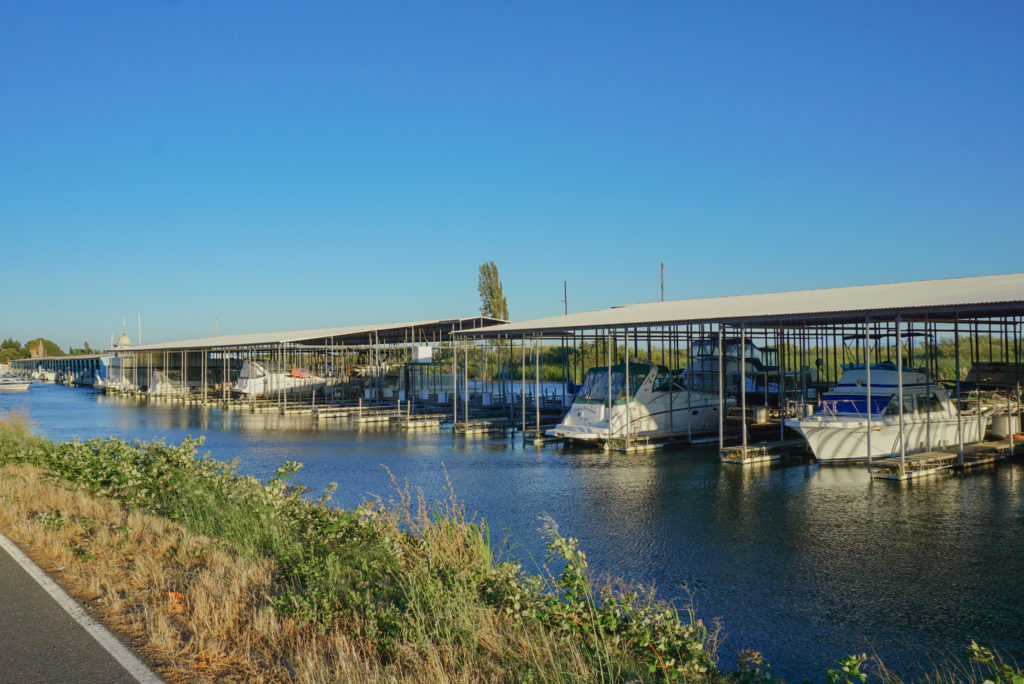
{"x":291,"y":165}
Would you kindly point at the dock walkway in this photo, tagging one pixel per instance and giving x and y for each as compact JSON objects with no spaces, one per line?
{"x":763,"y":452}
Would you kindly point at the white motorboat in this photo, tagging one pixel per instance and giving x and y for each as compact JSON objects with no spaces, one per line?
{"x":9,"y":383}
{"x":657,"y":404}
{"x":120,"y":374}
{"x":256,"y":380}
{"x":44,"y":375}
{"x":838,"y":430}
{"x":162,"y":385}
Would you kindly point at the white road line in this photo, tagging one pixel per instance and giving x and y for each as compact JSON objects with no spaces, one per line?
{"x":128,"y":661}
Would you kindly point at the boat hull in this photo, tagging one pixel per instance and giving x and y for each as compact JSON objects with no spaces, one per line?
{"x":588,"y":422}
{"x":279,"y":384}
{"x":846,"y":441}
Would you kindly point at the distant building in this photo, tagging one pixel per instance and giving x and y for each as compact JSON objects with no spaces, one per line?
{"x":37,"y":350}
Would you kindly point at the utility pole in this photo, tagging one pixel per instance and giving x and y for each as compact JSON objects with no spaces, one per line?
{"x":565,"y":297}
{"x":662,"y":281}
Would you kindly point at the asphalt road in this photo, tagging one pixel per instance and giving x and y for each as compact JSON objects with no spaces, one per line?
{"x":41,"y":642}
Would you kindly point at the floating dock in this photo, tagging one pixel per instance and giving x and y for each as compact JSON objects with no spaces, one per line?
{"x":426,"y":421}
{"x":540,"y":437}
{"x":483,"y":427}
{"x":931,"y":462}
{"x":763,"y":452}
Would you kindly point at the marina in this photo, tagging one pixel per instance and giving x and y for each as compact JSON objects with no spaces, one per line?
{"x":902,"y":370}
{"x":767,"y":549}
{"x":743,"y":451}
{"x":495,"y":342}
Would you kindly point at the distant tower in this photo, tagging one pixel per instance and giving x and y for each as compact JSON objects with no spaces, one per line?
{"x":123,"y":341}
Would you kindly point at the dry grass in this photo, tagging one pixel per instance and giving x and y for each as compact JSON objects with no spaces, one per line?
{"x":195,"y":610}
{"x":200,"y":613}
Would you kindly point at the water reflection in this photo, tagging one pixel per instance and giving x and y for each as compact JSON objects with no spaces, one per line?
{"x":805,"y":563}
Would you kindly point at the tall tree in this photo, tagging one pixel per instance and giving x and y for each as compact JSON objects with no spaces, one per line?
{"x":492,"y":301}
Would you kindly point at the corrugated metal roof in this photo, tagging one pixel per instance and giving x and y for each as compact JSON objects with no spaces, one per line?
{"x":978,"y":294}
{"x":339,"y":333}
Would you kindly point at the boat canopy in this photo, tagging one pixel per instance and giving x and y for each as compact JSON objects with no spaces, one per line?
{"x":595,"y":384}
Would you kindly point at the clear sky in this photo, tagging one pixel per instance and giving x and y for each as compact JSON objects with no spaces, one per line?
{"x":293,"y":165}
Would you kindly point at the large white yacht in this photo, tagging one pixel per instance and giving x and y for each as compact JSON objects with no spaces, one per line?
{"x":656,"y":403}
{"x":162,"y":385}
{"x":256,"y":380}
{"x":838,"y":429}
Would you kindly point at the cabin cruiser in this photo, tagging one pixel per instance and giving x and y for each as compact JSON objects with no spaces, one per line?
{"x":43,"y":375}
{"x":838,"y":430}
{"x":9,"y":383}
{"x":162,"y":385}
{"x":647,"y":400}
{"x":763,"y":380}
{"x":256,"y":380}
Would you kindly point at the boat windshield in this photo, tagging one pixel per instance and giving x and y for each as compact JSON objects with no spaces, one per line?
{"x":704,"y":348}
{"x":667,"y":381}
{"x":766,"y":356}
{"x":251,"y":370}
{"x":763,"y":356}
{"x":595,"y":385}
{"x":853,"y":404}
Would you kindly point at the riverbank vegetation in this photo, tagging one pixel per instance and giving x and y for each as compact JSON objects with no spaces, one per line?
{"x":218,"y":576}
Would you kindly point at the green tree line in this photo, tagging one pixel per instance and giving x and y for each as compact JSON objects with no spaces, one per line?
{"x":11,"y":349}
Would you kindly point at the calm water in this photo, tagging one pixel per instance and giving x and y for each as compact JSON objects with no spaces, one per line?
{"x":804,"y":563}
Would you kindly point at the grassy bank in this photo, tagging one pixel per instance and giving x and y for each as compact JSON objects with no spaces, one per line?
{"x":219,"y":576}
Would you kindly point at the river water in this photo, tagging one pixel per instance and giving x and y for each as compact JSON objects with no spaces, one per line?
{"x":805,"y":563}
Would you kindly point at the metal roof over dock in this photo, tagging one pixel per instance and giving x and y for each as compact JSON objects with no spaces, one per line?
{"x":977,"y":296}
{"x":351,"y":335}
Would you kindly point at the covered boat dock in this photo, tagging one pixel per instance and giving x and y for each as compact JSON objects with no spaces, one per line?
{"x":775,"y":355}
{"x":374,"y":364}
